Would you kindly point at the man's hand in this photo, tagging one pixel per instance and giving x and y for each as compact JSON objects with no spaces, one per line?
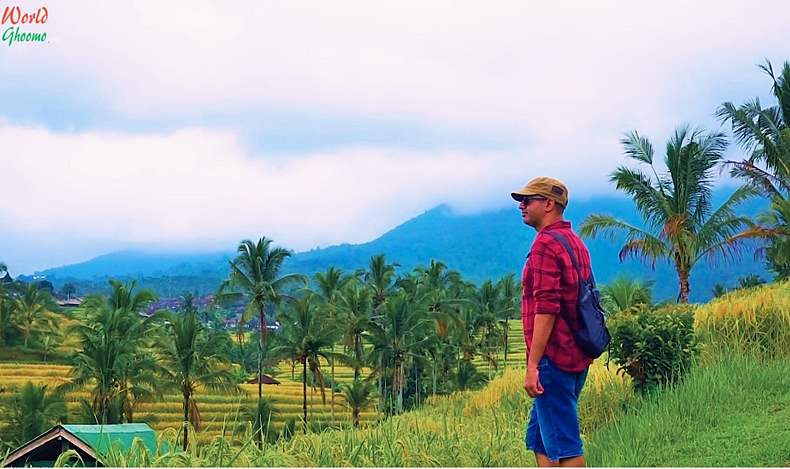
{"x":532,"y":383}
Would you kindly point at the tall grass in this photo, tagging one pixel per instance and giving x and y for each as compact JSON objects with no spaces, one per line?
{"x":755,"y":321}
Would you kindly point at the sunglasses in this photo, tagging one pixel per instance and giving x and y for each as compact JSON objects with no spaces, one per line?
{"x":527,"y":200}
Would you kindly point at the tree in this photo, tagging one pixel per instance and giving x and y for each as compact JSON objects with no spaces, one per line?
{"x":398,"y":335}
{"x":379,"y":278}
{"x":113,"y":356}
{"x":764,"y":134}
{"x":193,"y":358}
{"x":625,"y":293}
{"x":33,"y":310}
{"x":255,"y":277}
{"x":354,"y":313}
{"x":307,"y":338}
{"x":32,"y":412}
{"x":680,"y":225}
{"x":329,"y":285}
{"x":510,"y":296}
{"x":359,"y":395}
{"x":68,"y":290}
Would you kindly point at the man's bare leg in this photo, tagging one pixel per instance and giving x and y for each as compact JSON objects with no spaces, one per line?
{"x":577,"y":461}
{"x":544,"y":461}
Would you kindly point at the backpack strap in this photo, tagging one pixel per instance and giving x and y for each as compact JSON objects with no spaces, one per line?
{"x":565,"y":244}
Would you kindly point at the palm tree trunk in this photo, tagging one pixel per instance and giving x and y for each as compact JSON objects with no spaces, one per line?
{"x":506,"y":341}
{"x":683,"y":276}
{"x":304,"y":394}
{"x":333,"y":384}
{"x":261,"y":341}
{"x":186,"y":421}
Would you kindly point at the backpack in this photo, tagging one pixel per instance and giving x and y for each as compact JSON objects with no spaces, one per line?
{"x":591,"y":335}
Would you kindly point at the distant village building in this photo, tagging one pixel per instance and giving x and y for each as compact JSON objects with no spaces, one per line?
{"x":7,"y":279}
{"x":70,"y":303}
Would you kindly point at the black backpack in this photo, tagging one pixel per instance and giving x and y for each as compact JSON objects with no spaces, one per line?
{"x":591,"y":335}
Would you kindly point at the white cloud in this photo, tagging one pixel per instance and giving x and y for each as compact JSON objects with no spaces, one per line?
{"x":200,"y":188}
{"x":532,"y":69}
{"x":560,"y":80}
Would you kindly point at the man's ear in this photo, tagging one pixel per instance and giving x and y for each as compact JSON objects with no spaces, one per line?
{"x":550,"y":204}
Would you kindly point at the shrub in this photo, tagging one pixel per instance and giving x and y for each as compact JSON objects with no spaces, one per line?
{"x":654,"y":347}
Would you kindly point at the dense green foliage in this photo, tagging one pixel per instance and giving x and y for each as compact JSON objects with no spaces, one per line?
{"x":654,"y":347}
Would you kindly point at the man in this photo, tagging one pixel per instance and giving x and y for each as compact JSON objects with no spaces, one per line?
{"x":556,"y":366}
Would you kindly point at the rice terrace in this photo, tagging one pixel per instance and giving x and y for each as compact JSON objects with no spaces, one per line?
{"x":379,"y":234}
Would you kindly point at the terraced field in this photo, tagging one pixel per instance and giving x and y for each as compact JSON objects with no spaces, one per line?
{"x":218,"y":411}
{"x":224,"y":411}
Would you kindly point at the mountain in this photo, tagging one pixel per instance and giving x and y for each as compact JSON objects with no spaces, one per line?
{"x":480,"y":246}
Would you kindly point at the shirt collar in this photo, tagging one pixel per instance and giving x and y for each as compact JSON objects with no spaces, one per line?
{"x":560,"y":224}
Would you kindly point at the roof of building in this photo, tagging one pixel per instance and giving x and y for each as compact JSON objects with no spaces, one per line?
{"x":86,"y":439}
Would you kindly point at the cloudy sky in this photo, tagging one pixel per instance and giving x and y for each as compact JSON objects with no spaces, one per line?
{"x":192,"y":125}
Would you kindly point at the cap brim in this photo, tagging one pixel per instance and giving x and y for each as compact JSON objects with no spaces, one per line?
{"x":519,"y":196}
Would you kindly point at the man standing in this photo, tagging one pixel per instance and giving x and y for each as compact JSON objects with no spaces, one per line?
{"x":556,"y":366}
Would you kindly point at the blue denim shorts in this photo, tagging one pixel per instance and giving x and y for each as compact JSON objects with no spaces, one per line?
{"x":553,"y":427}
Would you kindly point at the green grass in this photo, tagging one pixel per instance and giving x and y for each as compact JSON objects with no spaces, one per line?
{"x":734,"y":412}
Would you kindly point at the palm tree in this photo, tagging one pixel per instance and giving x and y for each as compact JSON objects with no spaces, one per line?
{"x":359,"y":395}
{"x":398,"y":335}
{"x":486,"y":305}
{"x":112,"y":356}
{"x":32,"y":308}
{"x":193,"y":358}
{"x":105,"y":348}
{"x":354,"y":313}
{"x":510,"y":295}
{"x":379,"y":278}
{"x":32,"y":412}
{"x":306,"y":338}
{"x":625,"y":293}
{"x":329,"y":285}
{"x":764,"y":133}
{"x":7,"y":319}
{"x":255,"y":277}
{"x":680,"y":224}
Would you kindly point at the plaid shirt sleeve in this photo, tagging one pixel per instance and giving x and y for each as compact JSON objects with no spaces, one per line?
{"x":546,"y":270}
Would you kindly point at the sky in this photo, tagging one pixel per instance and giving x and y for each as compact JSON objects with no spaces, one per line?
{"x":192,"y":125}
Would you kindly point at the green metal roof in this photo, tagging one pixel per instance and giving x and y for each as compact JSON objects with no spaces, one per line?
{"x":102,"y":437}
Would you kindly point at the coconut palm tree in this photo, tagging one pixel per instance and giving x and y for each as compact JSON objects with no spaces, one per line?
{"x":380,"y":277}
{"x":764,"y":133}
{"x":625,"y":293}
{"x":354,"y":314}
{"x":680,"y":224}
{"x":110,"y":359}
{"x":398,"y":336}
{"x":255,"y":277}
{"x":193,"y":358}
{"x":33,"y":309}
{"x":307,"y":338}
{"x":359,"y":395}
{"x":329,"y":285}
{"x":32,"y":412}
{"x":486,"y":305}
{"x":509,"y":297}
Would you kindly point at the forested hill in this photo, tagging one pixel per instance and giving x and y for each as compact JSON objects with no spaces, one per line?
{"x":480,"y":246}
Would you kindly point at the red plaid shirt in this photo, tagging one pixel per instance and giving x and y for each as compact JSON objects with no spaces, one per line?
{"x":550,"y":285}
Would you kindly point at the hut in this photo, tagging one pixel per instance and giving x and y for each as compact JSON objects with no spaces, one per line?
{"x":87,"y":440}
{"x":265,"y":379}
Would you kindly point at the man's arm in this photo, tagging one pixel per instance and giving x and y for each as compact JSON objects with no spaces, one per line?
{"x":544,"y":323}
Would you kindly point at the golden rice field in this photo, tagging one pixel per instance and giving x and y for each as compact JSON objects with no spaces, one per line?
{"x":218,"y":411}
